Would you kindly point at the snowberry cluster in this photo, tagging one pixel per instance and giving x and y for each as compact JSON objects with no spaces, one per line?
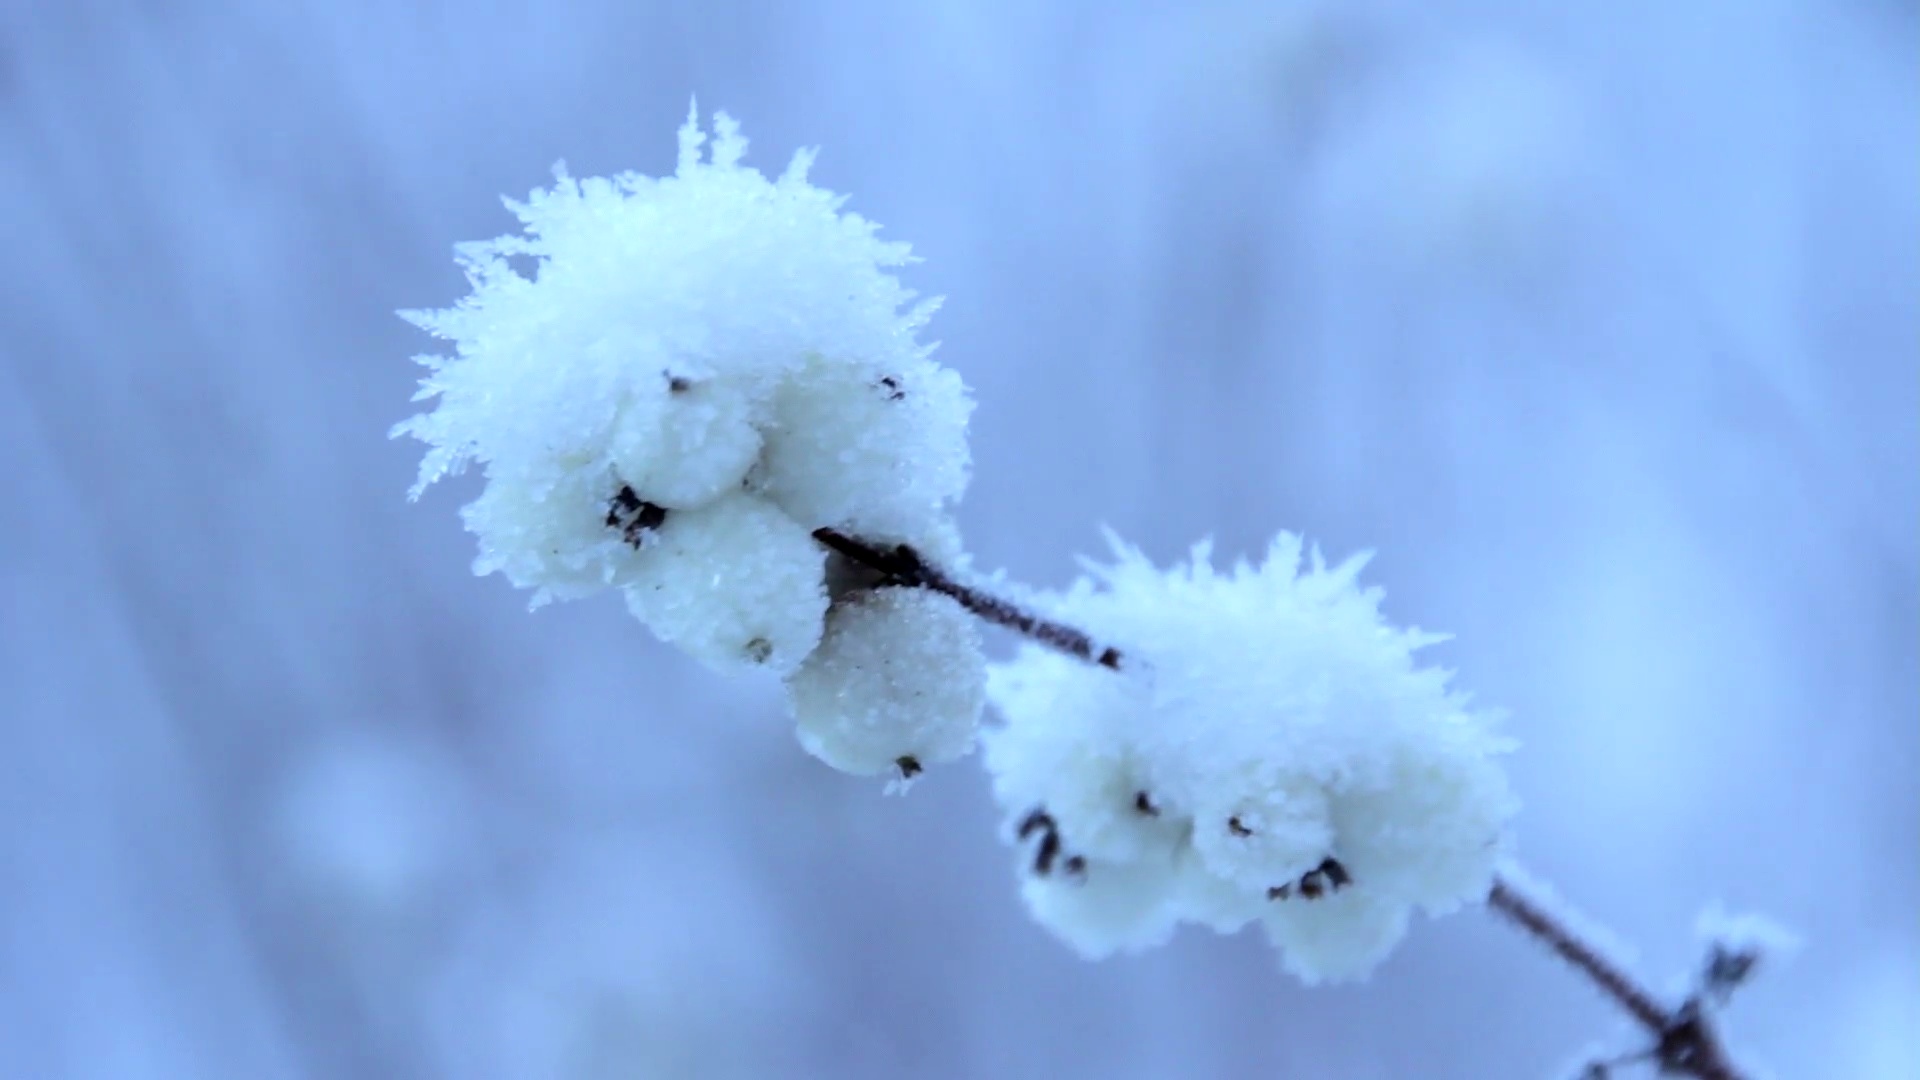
{"x":670,"y":384}
{"x":1267,"y":751}
{"x":705,"y":392}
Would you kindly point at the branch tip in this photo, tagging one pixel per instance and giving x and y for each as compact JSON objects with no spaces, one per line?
{"x":1686,"y":1043}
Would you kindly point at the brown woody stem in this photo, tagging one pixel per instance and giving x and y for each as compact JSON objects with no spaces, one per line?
{"x":903,"y":566}
{"x":1686,"y":1042}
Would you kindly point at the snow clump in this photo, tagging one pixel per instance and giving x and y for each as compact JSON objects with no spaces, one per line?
{"x":1268,"y":752}
{"x":669,"y":384}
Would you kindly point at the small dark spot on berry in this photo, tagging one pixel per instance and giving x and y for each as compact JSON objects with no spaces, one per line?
{"x":1329,"y":877}
{"x":1238,"y":827}
{"x":892,"y":386}
{"x":1143,"y":803}
{"x":909,"y":766}
{"x":633,"y":516}
{"x":1336,"y":873}
{"x":1049,"y":850}
{"x":1036,"y":819}
{"x":624,"y":502}
{"x":1075,"y":866}
{"x":759,"y":650}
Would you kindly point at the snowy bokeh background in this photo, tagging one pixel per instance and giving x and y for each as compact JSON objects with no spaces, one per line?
{"x":1601,"y":322}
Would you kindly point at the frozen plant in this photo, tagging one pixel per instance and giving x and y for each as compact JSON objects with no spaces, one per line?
{"x":694,"y":374}
{"x":1270,"y":738}
{"x":707,"y":393}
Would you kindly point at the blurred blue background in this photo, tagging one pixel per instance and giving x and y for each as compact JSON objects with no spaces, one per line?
{"x":1598,"y":320}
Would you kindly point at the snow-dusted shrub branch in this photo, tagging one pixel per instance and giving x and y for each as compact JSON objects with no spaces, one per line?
{"x":902,"y":565}
{"x":707,"y":394}
{"x":1684,"y":1038}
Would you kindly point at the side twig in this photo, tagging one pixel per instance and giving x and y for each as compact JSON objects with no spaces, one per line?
{"x":903,"y":566}
{"x":1686,"y":1043}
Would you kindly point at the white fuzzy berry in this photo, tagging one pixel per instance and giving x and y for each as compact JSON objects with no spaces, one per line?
{"x":546,"y":529}
{"x":1431,"y":828}
{"x":875,"y":448}
{"x":1273,"y":714}
{"x":1339,"y":937}
{"x":689,"y":445}
{"x":736,"y":584}
{"x":896,"y":685}
{"x":636,"y":336}
{"x":1079,"y":767}
{"x":1101,"y":908}
{"x":1204,"y":898}
{"x":1264,"y":840}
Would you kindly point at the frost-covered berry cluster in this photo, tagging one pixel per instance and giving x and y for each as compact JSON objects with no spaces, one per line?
{"x":705,"y":392}
{"x":1268,"y":752}
{"x":670,"y":384}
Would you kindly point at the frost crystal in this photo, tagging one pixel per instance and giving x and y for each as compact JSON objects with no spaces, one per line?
{"x":1270,"y":751}
{"x":691,"y":375}
{"x":897,"y":684}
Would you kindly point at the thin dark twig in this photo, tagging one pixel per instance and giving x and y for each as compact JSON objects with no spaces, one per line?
{"x":1556,"y":936}
{"x":904,"y":566}
{"x":1686,"y":1043}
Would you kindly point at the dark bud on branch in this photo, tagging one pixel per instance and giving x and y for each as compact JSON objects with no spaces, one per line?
{"x":633,"y":516}
{"x":902,"y":565}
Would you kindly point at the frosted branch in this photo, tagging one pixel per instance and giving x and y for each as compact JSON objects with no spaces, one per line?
{"x":904,"y":566}
{"x":1557,"y":936}
{"x":1686,"y":1043}
{"x":695,"y":485}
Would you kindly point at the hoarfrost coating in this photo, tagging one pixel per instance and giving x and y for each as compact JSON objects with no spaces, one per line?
{"x":897,"y":684}
{"x":1271,"y":752}
{"x":702,"y":370}
{"x":695,"y":373}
